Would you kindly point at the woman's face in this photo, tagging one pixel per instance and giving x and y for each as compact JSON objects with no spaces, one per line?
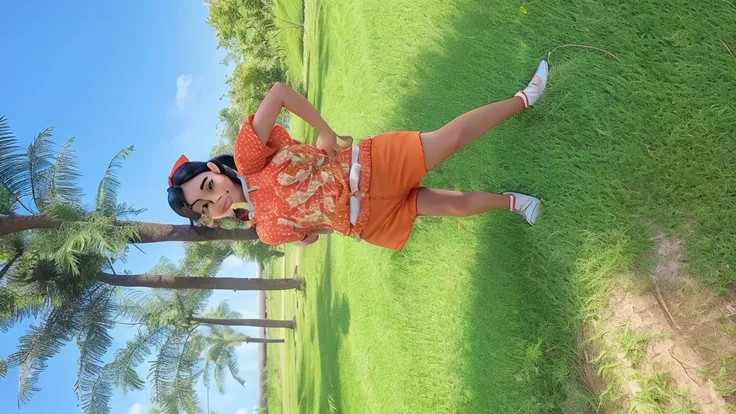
{"x":212,"y":192}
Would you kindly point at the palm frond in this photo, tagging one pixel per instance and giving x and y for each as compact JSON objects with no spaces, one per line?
{"x":63,"y":211}
{"x":221,"y":356}
{"x":8,"y":265}
{"x":223,"y":311}
{"x":94,"y":385}
{"x":14,"y":245}
{"x":65,"y":176}
{"x":39,"y":344}
{"x":123,"y":210}
{"x":99,"y":235}
{"x":97,"y":399}
{"x":220,"y":377}
{"x":187,"y":375}
{"x":164,"y":366}
{"x":165,"y":267}
{"x":133,"y":304}
{"x":8,"y":200}
{"x":13,"y":170}
{"x":233,"y":366}
{"x":38,"y":275}
{"x":39,"y":165}
{"x":136,"y":350}
{"x":107,"y":191}
{"x":17,"y":306}
{"x":191,"y":302}
{"x":206,"y":379}
{"x":212,"y":361}
{"x":3,"y":368}
{"x":205,"y":259}
{"x":174,"y":373}
{"x":93,"y":340}
{"x":253,"y":251}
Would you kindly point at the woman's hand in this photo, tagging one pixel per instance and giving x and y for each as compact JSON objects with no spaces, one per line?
{"x":328,"y":143}
{"x":345,"y":141}
{"x":333,"y":144}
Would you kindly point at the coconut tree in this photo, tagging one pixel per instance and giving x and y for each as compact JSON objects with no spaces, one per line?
{"x":168,"y":332}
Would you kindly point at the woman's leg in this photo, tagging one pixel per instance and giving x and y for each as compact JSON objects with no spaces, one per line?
{"x":439,"y":145}
{"x":437,"y":202}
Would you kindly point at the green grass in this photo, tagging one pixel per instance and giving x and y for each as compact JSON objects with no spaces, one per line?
{"x":281,"y":305}
{"x":289,"y":15}
{"x":725,"y":379}
{"x":634,"y":344}
{"x":657,"y":396}
{"x":480,"y":314}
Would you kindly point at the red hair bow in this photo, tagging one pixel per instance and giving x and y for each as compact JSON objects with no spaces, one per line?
{"x":183,"y":159}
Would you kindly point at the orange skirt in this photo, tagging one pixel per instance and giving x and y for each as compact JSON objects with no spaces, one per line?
{"x":397,"y":170}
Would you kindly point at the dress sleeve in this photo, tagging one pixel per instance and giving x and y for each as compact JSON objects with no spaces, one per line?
{"x":250,"y":154}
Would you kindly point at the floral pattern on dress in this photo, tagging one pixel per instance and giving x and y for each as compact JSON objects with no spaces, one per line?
{"x":300,"y":189}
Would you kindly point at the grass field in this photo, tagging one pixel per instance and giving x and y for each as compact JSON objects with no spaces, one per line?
{"x":481,"y":314}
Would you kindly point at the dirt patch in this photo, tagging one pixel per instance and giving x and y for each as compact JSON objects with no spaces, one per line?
{"x":660,"y":320}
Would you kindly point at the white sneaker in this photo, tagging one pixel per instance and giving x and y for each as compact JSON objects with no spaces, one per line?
{"x":534,"y":90}
{"x":525,"y":205}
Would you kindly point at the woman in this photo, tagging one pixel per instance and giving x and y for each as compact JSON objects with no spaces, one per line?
{"x":292,"y":192}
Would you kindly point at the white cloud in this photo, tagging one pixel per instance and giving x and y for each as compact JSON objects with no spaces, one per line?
{"x":185,"y":85}
{"x":241,"y":411}
{"x":137,"y":408}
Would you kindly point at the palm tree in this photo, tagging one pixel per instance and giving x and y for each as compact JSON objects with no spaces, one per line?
{"x":166,"y":328}
{"x":221,"y":343}
{"x":48,"y":276}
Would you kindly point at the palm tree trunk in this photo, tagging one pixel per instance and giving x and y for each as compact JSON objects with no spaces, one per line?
{"x":264,"y":341}
{"x":209,"y":283}
{"x":147,"y":232}
{"x":155,"y":232}
{"x":14,"y":224}
{"x":264,"y":323}
{"x":8,"y":265}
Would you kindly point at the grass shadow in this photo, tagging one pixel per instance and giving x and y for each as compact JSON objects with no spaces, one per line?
{"x":521,"y":354}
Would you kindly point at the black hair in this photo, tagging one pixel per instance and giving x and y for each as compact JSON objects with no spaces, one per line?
{"x":189,"y":170}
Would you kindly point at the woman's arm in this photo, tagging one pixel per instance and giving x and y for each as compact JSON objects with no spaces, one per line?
{"x":282,"y":96}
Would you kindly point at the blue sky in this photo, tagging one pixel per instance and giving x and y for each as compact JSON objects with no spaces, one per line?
{"x":112,"y":74}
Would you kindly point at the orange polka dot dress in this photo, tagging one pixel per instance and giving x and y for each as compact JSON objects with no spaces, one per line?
{"x":297,"y":189}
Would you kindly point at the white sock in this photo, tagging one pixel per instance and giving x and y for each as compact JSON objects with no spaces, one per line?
{"x":525,"y":205}
{"x":534,"y":90}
